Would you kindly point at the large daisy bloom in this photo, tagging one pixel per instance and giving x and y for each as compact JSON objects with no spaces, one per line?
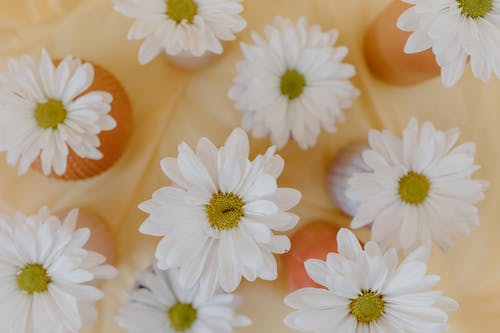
{"x":293,"y":83}
{"x":218,"y":219}
{"x":369,"y":291}
{"x":161,"y":304}
{"x":456,"y":30}
{"x":46,"y":274}
{"x":45,"y":112}
{"x":419,"y":188}
{"x":174,"y":26}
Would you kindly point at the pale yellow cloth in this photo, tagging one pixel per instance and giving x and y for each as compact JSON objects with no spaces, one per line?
{"x":172,"y":105}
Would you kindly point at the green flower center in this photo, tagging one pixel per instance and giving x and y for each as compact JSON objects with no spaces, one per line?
{"x":182,"y":316}
{"x":50,"y":114}
{"x":414,"y":188}
{"x":179,"y":10}
{"x":475,"y":8}
{"x":33,"y":278}
{"x":225,"y":210}
{"x":368,"y":307}
{"x":292,"y":84}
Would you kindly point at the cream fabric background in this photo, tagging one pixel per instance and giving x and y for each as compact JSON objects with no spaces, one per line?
{"x":172,"y":105}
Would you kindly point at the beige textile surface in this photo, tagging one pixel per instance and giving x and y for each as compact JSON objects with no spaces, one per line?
{"x":172,"y":105}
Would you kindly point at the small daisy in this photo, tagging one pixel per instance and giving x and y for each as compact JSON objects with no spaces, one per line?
{"x":174,"y":26}
{"x":45,"y":112}
{"x":46,"y":274}
{"x":161,"y":304}
{"x":293,"y":83}
{"x":218,"y":219}
{"x":419,"y":188}
{"x":368,"y":291}
{"x":455,"y":30}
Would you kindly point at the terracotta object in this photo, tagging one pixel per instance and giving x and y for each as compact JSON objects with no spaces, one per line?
{"x":384,"y":50}
{"x":101,"y":239}
{"x":313,"y":241}
{"x":113,"y":143}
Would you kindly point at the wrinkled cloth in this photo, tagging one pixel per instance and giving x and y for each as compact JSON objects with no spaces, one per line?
{"x":171,"y":105}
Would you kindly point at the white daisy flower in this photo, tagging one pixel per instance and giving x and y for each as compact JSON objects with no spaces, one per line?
{"x":368,"y":291}
{"x":419,"y":188}
{"x":160,"y":304}
{"x":44,"y":112}
{"x":293,"y":83}
{"x":455,"y":30}
{"x":174,"y":26}
{"x":46,"y":274}
{"x":218,"y":219}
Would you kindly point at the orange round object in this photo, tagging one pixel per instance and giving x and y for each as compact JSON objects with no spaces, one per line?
{"x":313,"y":241}
{"x":113,"y":143}
{"x":384,"y":50}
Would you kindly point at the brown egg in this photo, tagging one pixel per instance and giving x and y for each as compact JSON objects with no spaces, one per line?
{"x":313,"y":241}
{"x":384,"y":50}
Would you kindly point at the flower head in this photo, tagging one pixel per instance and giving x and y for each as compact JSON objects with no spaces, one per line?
{"x":418,"y":189}
{"x":368,"y":291}
{"x":46,"y":274}
{"x":293,"y":83}
{"x":456,"y":30}
{"x":174,"y":26}
{"x":217,"y":222}
{"x":46,"y":110}
{"x":161,"y":304}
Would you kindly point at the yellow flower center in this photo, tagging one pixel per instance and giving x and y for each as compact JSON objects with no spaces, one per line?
{"x":33,"y":278}
{"x":368,"y":307}
{"x":475,"y":8}
{"x":50,"y":114}
{"x":225,"y":210}
{"x":292,"y":84}
{"x":182,"y":316}
{"x":179,"y":10}
{"x":414,"y":188}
